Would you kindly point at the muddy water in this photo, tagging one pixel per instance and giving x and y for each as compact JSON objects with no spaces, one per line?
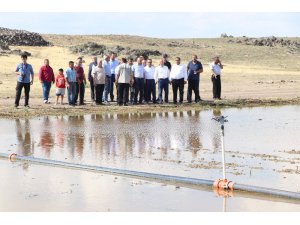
{"x":262,"y":148}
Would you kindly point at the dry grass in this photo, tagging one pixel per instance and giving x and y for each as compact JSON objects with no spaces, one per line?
{"x":250,"y":72}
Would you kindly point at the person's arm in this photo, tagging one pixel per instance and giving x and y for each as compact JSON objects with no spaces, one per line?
{"x":93,"y":76}
{"x":155,"y":75}
{"x":84,"y":78}
{"x":53,"y":77}
{"x":184,"y":74}
{"x":66,"y":77}
{"x":17,"y":71}
{"x":32,"y":75}
{"x":201,"y":69}
{"x":41,"y":75}
{"x":221,"y":65}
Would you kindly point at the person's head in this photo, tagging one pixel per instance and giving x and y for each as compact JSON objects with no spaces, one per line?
{"x":139,"y":61}
{"x":130,"y":61}
{"x":71,"y":64}
{"x":107,"y":57}
{"x":141,"y":57}
{"x":99,"y":63}
{"x":149,"y":62}
{"x":113,"y":56}
{"x":79,"y":61}
{"x":124,"y":60}
{"x":216,"y":59}
{"x":165,"y":57}
{"x":144,"y":62}
{"x":46,"y":62}
{"x":162,"y":62}
{"x":24,"y":58}
{"x":61,"y":71}
{"x":94,"y":59}
{"x":177,"y":60}
{"x":194,"y":58}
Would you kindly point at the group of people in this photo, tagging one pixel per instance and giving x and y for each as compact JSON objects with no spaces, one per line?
{"x":135,"y":82}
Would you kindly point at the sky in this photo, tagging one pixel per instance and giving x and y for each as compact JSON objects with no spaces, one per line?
{"x":160,"y":25}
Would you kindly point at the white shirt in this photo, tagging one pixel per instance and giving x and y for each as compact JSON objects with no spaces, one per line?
{"x":149,"y":72}
{"x":215,"y":68}
{"x":139,"y":71}
{"x":178,"y":72}
{"x":98,"y":75}
{"x":161,"y":73}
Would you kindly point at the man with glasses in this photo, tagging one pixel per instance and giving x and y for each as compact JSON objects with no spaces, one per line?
{"x":178,"y":78}
{"x":150,"y":82}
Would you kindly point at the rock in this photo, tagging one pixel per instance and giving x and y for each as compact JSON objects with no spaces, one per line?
{"x":21,"y":37}
{"x":90,"y":48}
{"x":135,"y":53}
{"x":224,"y":35}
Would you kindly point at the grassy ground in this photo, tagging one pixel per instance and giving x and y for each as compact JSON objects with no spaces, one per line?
{"x":262,"y":75}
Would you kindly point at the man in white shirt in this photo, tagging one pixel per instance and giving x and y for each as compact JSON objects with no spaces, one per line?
{"x":178,"y":78}
{"x":216,"y":67}
{"x":150,"y":82}
{"x":139,"y":77}
{"x":161,"y":76}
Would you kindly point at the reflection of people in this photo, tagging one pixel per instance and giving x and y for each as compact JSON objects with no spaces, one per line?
{"x":24,"y":137}
{"x":216,"y":67}
{"x":46,"y":138}
{"x":24,"y":72}
{"x":216,"y":141}
{"x":194,"y":69}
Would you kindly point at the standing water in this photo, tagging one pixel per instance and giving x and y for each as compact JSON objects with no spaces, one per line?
{"x":262,"y":149}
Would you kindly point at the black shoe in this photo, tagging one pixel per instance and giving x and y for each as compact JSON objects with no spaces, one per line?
{"x":189,"y":101}
{"x":16,"y":106}
{"x":120,"y":104}
{"x":125,"y":104}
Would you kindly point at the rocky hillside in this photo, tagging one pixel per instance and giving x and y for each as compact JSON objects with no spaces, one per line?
{"x":21,"y":37}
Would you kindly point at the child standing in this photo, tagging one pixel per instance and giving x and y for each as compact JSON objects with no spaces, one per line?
{"x":60,"y":82}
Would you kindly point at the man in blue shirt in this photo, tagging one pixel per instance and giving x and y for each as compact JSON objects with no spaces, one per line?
{"x":70,"y":75}
{"x":24,"y":72}
{"x":113,"y":64}
{"x":194,"y":69}
{"x":90,"y":78}
{"x":107,"y":69}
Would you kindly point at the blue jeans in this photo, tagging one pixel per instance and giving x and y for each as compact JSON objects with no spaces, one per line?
{"x":46,"y":89}
{"x":72,"y":92}
{"x":107,"y":88}
{"x":163,"y":84}
{"x":139,"y":89}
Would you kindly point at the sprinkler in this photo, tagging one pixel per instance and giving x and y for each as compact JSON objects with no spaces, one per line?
{"x":222,"y":183}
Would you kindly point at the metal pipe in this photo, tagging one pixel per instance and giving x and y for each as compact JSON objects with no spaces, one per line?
{"x":223,"y":153}
{"x":193,"y":182}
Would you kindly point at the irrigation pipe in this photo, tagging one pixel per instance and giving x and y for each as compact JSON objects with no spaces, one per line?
{"x":156,"y":177}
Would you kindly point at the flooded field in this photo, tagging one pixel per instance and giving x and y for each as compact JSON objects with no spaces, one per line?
{"x":262,"y":149}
